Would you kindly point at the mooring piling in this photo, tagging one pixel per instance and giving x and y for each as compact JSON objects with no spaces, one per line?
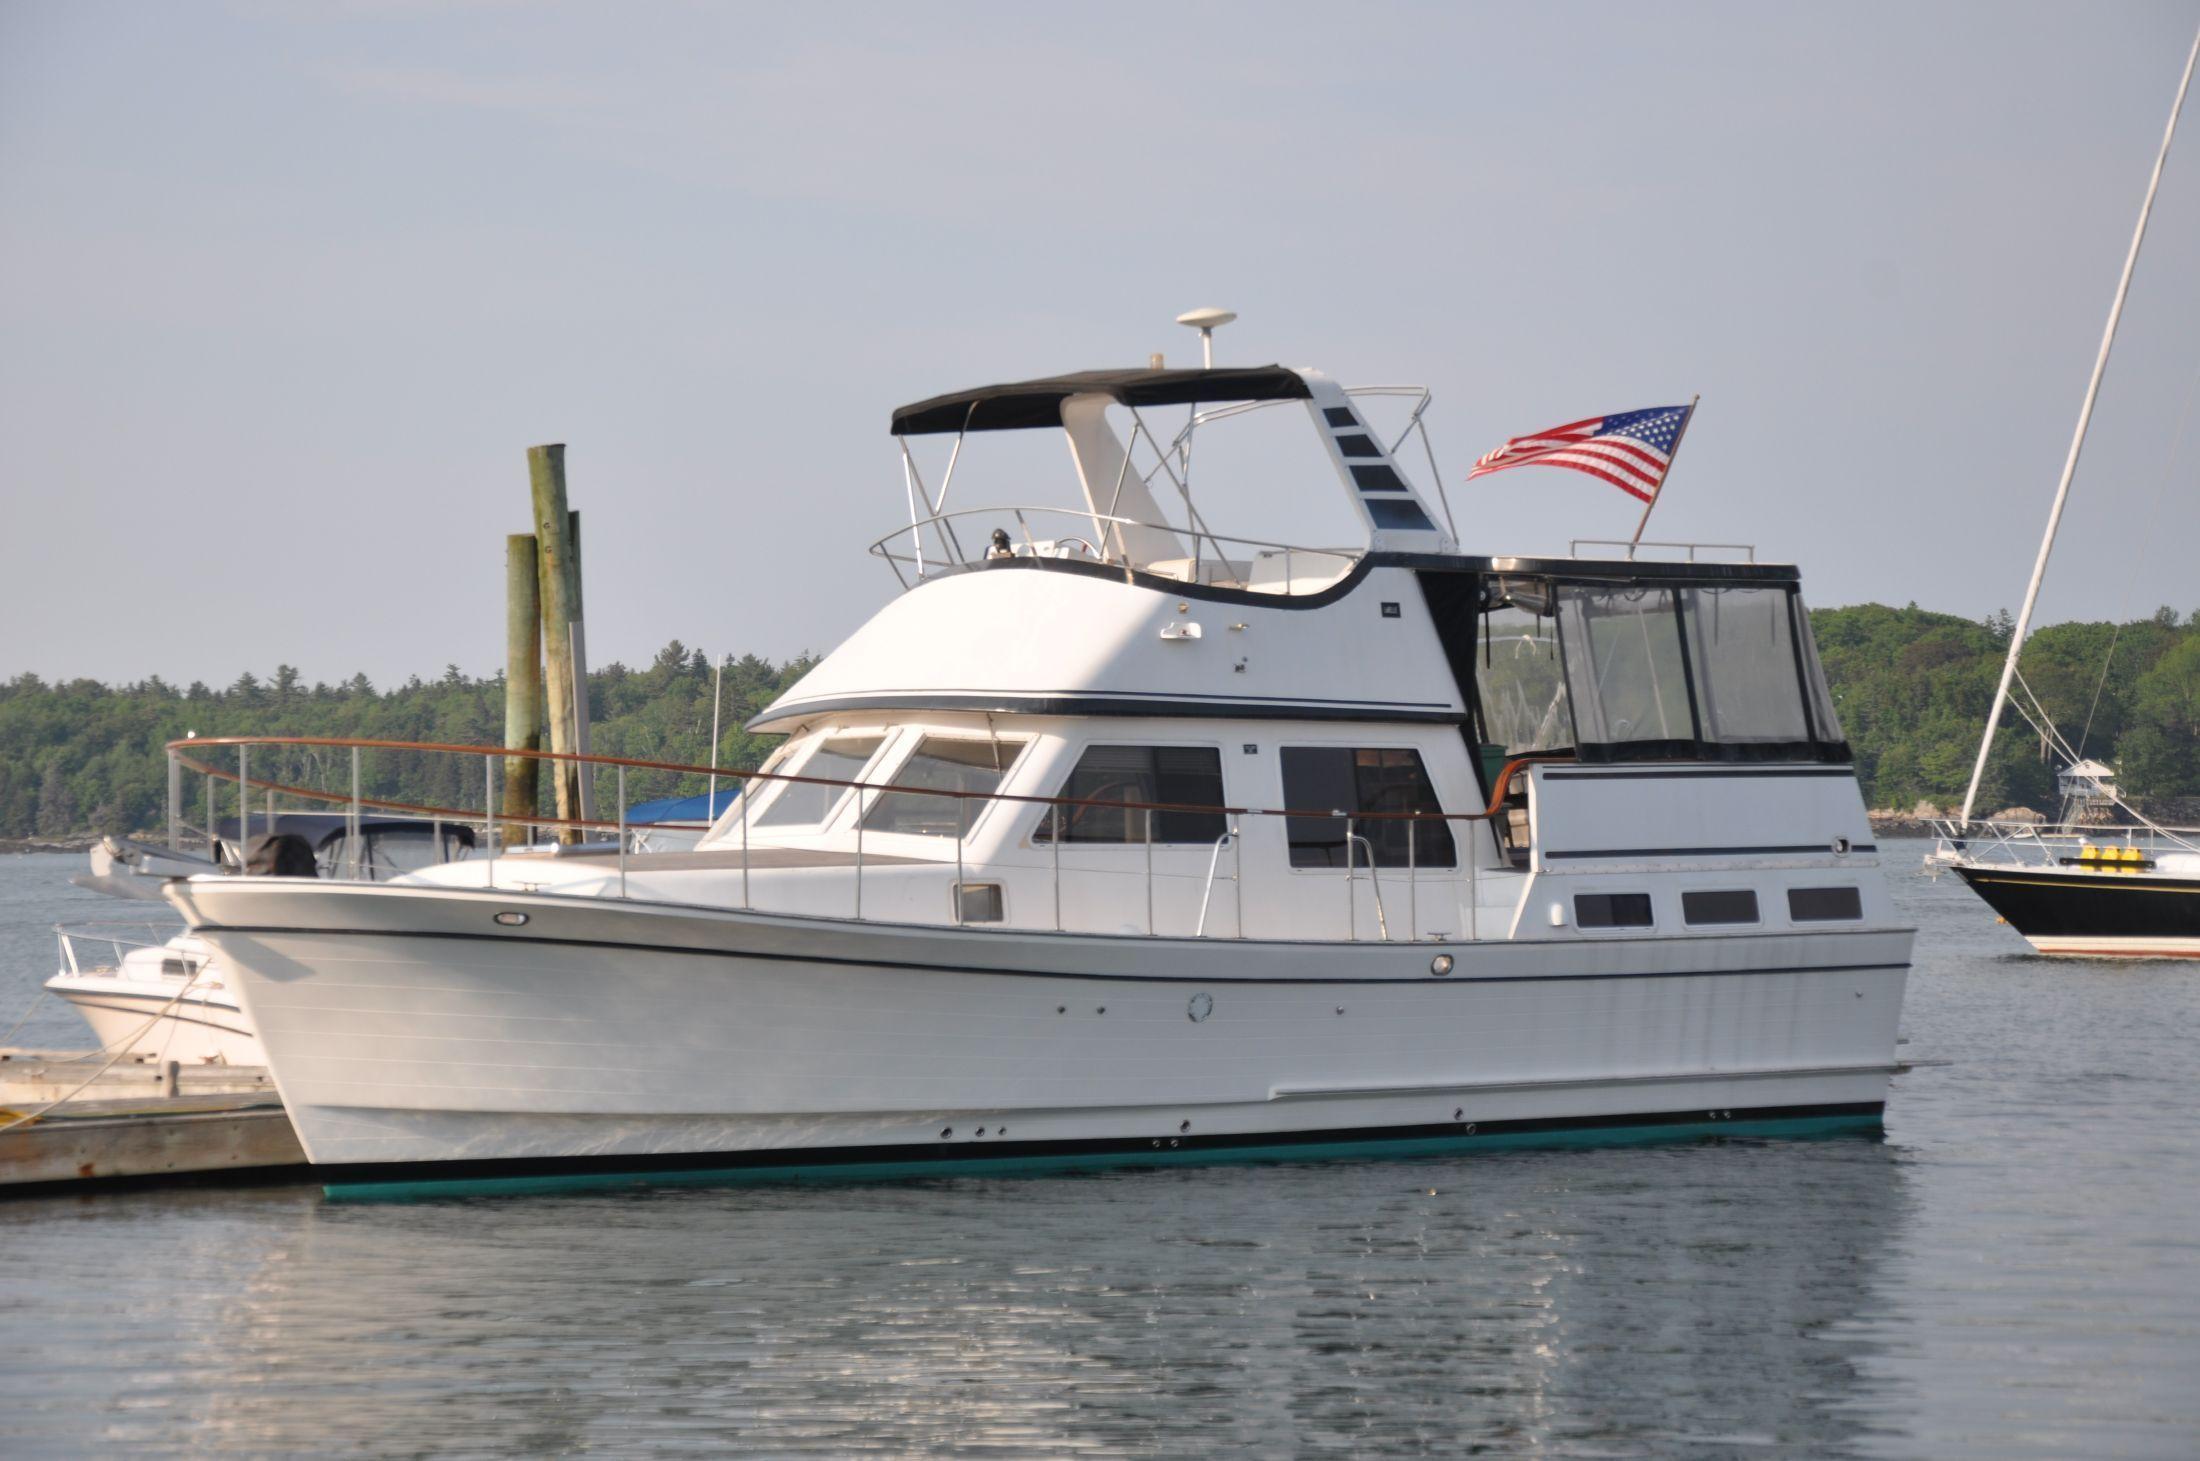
{"x":523,"y":702}
{"x":560,"y":609}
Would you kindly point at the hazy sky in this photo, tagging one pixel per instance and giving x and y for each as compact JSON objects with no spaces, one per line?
{"x":286,"y":291}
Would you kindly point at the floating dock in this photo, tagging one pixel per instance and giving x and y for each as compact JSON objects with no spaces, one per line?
{"x":137,"y":1122}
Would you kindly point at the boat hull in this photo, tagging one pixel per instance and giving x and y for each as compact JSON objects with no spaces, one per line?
{"x":2073,"y":913}
{"x":409,"y":1026}
{"x":158,"y":1023}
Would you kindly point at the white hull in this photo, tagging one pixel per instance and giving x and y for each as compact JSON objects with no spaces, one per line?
{"x":408,"y":1027}
{"x":200,"y":1028}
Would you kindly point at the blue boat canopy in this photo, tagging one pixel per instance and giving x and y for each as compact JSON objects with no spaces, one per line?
{"x":697,"y":808}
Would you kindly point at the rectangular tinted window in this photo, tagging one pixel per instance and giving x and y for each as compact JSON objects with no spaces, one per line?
{"x":1343,"y":779}
{"x":1719,"y":905}
{"x":1612,"y":910}
{"x":1397,"y":512}
{"x":978,"y":902}
{"x":1377,"y":478}
{"x":837,"y":758}
{"x":1339,"y":416}
{"x":1824,"y":905}
{"x":1185,"y":775}
{"x":940,"y":763}
{"x":1358,"y":444}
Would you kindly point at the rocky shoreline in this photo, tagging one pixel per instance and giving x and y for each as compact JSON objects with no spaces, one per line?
{"x":81,"y":843}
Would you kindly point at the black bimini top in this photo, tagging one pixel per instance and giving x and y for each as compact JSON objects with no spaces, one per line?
{"x":1021,"y":405}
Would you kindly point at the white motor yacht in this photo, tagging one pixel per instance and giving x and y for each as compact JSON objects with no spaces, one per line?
{"x":1114,"y":839}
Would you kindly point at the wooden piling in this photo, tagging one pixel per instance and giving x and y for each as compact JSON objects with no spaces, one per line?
{"x":554,"y":564}
{"x":582,"y":741}
{"x":523,"y":704}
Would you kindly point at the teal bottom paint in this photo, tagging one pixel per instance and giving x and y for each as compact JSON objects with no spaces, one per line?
{"x":430,"y":1188}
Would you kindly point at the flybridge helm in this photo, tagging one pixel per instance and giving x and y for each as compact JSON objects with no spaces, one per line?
{"x":1124,"y":523}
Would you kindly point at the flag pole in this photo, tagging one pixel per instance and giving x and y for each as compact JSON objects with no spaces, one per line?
{"x":1659,"y":491}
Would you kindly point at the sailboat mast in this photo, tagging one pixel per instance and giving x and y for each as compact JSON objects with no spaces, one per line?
{"x":2077,"y":444}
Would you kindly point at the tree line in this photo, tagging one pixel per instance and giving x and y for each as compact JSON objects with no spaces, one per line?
{"x":80,"y":756}
{"x":1912,"y":688}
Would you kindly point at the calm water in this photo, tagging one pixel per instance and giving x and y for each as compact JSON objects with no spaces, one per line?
{"x":2015,"y":1271}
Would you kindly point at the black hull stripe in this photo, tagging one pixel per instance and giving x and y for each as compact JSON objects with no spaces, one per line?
{"x":1206,"y":981}
{"x":420,"y":1178}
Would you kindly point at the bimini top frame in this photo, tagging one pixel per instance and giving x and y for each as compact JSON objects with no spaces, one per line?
{"x":1127,"y":527}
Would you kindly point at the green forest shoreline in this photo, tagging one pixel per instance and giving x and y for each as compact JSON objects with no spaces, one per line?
{"x":79,"y":758}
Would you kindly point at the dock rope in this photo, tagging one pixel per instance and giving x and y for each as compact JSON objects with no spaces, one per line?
{"x":120,"y":1047}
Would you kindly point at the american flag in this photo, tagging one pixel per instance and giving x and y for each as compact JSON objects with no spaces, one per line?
{"x":1630,"y":450}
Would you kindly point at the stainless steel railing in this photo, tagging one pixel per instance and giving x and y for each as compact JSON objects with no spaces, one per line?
{"x":1462,"y":879}
{"x":1098,"y":540}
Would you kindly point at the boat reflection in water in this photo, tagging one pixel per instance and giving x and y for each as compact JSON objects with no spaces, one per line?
{"x":1666,"y":1299}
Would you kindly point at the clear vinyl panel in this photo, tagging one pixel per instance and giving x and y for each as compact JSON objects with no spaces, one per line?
{"x":1721,"y":672}
{"x":1748,"y":677}
{"x":1521,"y":681}
{"x":1626,"y":670}
{"x":1827,"y":724}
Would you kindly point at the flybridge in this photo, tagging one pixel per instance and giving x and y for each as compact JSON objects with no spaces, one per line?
{"x":1124,"y":522}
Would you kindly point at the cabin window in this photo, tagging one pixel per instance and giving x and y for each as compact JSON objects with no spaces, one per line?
{"x":1354,"y":782}
{"x":1612,"y":910}
{"x":978,"y":902}
{"x":836,"y":758}
{"x":1825,"y":905}
{"x":1186,"y":775}
{"x":941,"y":764}
{"x":1719,"y":905}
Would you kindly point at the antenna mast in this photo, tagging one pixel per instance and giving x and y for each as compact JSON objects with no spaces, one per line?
{"x":1206,"y":321}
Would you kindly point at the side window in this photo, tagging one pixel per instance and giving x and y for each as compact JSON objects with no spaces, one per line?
{"x":941,"y":763}
{"x":837,"y":758}
{"x":1187,"y":775}
{"x":1612,"y":910}
{"x":1719,"y":905}
{"x":1825,"y":905}
{"x":1355,"y":782}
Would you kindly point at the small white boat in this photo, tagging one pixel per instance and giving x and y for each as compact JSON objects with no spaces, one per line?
{"x":1112,"y":838}
{"x":148,"y":999}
